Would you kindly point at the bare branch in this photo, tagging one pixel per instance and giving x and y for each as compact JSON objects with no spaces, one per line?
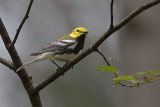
{"x":94,"y":46}
{"x":103,"y":57}
{"x":136,"y":12}
{"x":21,"y":24}
{"x":12,"y":51}
{"x":25,"y":78}
{"x":7,"y":63}
{"x":111,"y":12}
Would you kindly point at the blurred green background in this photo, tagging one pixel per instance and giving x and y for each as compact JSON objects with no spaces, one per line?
{"x":135,"y":48}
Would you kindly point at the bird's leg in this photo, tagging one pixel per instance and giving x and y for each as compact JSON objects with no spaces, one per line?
{"x":56,"y":64}
{"x":65,"y":61}
{"x":30,"y":77}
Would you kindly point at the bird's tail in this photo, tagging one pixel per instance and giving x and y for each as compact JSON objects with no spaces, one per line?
{"x":26,"y":64}
{"x":42,"y":57}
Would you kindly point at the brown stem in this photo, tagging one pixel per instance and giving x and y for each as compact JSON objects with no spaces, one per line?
{"x":25,"y":78}
{"x":134,"y":85}
{"x":35,"y":100}
{"x":7,"y":63}
{"x":103,"y":57}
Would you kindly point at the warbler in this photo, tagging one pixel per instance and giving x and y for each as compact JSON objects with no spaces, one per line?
{"x":61,"y":50}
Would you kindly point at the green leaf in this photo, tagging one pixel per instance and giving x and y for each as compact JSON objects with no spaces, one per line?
{"x":157,"y":75}
{"x":151,"y":73}
{"x":117,"y":82}
{"x":111,"y":59}
{"x":107,"y":68}
{"x":124,"y":78}
{"x":138,"y":84}
{"x":140,"y":73}
{"x":133,"y":81}
{"x":151,"y":79}
{"x":146,"y":79}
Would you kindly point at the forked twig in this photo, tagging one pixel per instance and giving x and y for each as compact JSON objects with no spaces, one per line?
{"x":7,"y":63}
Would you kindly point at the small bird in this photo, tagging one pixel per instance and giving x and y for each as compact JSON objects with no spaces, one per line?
{"x":61,"y":50}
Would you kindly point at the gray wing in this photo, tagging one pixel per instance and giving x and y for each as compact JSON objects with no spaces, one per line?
{"x":55,"y":46}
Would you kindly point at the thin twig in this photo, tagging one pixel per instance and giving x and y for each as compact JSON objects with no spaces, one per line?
{"x":22,"y":23}
{"x":94,"y":46}
{"x":7,"y":63}
{"x":103,"y":57}
{"x":111,"y":12}
{"x":122,"y":84}
{"x":134,"y":85}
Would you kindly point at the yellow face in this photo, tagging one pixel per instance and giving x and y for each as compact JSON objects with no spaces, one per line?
{"x":78,"y":32}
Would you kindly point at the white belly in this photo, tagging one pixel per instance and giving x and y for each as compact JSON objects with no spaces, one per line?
{"x":64,"y":57}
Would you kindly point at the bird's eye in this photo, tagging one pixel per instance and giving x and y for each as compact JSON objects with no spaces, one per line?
{"x":78,"y":30}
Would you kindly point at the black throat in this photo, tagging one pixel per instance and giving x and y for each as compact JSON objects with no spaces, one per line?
{"x":78,"y":46}
{"x":80,"y":42}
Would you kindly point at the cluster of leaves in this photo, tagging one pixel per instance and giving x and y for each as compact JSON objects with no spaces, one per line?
{"x":137,"y":80}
